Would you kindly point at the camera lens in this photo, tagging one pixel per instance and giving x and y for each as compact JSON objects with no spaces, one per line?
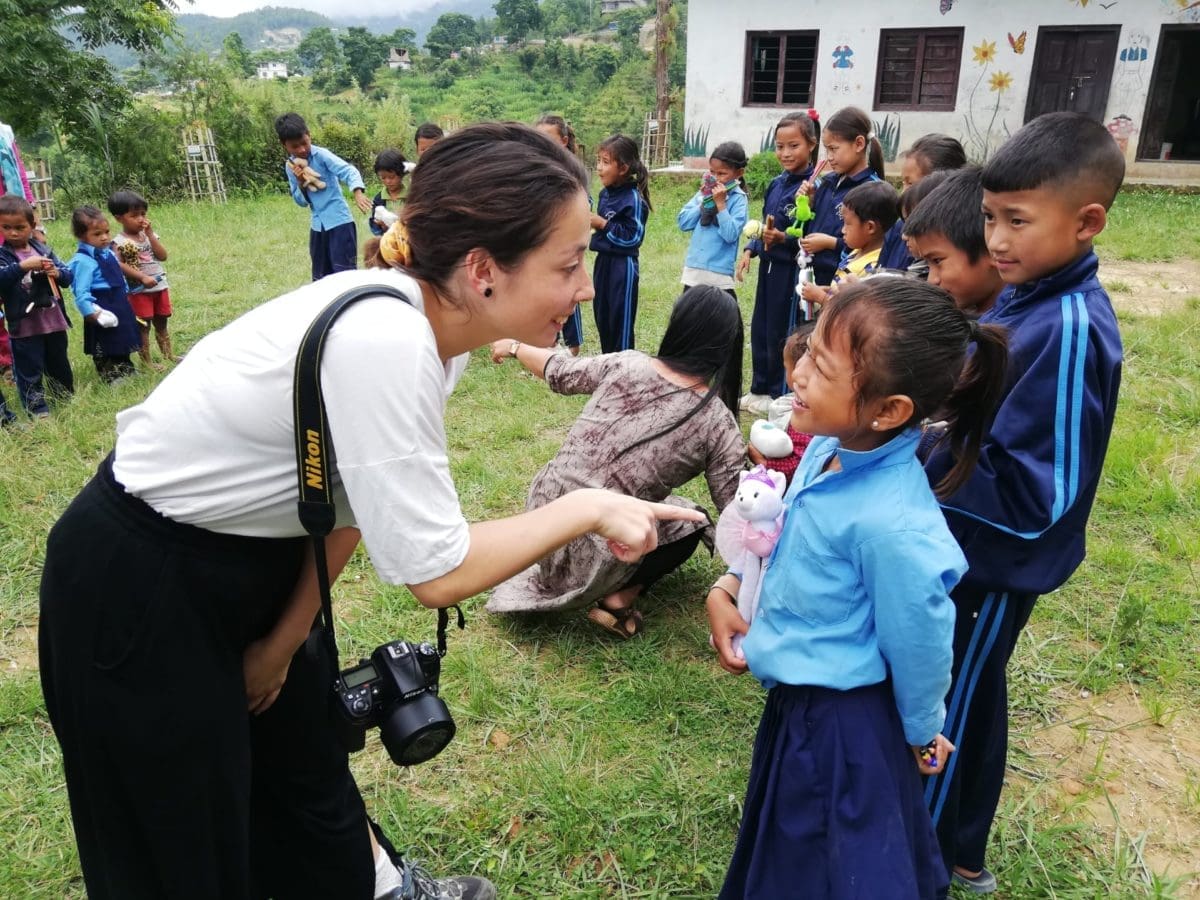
{"x":416,"y":730}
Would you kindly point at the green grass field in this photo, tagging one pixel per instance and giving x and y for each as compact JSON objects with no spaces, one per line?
{"x":589,"y":768}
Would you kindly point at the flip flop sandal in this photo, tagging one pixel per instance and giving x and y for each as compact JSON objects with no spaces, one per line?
{"x":624,"y":623}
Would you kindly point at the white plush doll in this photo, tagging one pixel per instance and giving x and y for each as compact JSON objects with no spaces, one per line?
{"x":770,"y":440}
{"x":747,"y":532}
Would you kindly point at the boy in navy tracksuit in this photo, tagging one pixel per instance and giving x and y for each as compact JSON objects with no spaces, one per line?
{"x":333,"y":236}
{"x":1020,"y":518}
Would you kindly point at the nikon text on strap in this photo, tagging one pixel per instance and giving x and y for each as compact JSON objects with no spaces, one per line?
{"x":316,"y":509}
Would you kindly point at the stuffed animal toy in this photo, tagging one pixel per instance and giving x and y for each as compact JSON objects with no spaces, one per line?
{"x":753,"y":229}
{"x":308,"y":177}
{"x":801,"y":213}
{"x":708,"y":206}
{"x":770,"y":440}
{"x":747,"y":532}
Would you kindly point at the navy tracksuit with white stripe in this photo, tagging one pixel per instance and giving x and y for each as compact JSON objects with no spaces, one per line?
{"x":1020,"y":520}
{"x":615,"y":275}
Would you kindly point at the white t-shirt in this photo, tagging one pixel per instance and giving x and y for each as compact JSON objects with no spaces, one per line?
{"x":214,"y":445}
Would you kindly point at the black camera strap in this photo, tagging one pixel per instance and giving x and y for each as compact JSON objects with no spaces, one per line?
{"x":316,"y":508}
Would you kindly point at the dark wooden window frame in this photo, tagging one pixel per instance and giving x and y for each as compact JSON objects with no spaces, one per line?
{"x":748,"y":71}
{"x":914,"y":104}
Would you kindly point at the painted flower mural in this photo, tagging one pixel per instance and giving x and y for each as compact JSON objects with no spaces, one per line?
{"x":984,"y":52}
{"x":1000,"y":81}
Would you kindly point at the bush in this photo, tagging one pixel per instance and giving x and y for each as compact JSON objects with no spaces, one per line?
{"x":762,"y":168}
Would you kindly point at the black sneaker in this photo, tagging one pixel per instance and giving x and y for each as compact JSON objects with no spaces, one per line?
{"x":420,"y":885}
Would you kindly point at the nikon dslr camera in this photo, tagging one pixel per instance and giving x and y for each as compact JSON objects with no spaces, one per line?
{"x":396,"y":690}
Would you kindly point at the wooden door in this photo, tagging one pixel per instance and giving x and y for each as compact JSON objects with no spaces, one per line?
{"x":1072,"y":71}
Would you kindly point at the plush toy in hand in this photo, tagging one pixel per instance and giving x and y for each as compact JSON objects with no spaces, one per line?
{"x":801,"y":213}
{"x":307,"y":176}
{"x":770,"y":440}
{"x":747,"y":532}
{"x":753,"y":229}
{"x":708,"y":206}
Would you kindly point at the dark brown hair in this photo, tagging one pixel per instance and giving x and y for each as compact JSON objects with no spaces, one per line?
{"x":493,"y":186}
{"x":937,"y":152}
{"x":908,"y":337}
{"x":851,"y":123}
{"x":14,"y":205}
{"x":565,"y":131}
{"x":83,"y":217}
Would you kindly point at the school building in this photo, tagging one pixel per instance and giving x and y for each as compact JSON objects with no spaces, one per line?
{"x":973,"y":70}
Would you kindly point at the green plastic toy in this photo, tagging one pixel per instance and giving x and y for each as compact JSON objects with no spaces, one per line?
{"x":801,"y":213}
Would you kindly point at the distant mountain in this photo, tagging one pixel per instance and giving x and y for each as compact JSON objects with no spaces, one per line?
{"x":282,"y":27}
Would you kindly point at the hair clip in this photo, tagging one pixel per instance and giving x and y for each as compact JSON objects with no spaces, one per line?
{"x":812,"y":114}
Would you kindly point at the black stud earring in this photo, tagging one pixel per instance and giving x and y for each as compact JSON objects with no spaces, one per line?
{"x":487,"y":292}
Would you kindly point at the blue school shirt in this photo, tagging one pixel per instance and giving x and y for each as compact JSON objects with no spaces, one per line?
{"x":714,"y":247}
{"x":626,"y":212}
{"x":779,"y":199}
{"x":894,"y":254}
{"x":827,"y":218}
{"x":859,"y":583}
{"x":329,"y":208}
{"x":1021,"y":516}
{"x":87,"y":277}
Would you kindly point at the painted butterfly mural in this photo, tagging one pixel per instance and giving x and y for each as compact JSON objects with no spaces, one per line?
{"x":945,"y":6}
{"x":1017,"y":43}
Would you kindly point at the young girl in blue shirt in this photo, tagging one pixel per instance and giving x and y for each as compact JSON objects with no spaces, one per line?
{"x":855,"y":625}
{"x":716,"y":230}
{"x":797,"y":137}
{"x":619,"y":225}
{"x":853,"y":155}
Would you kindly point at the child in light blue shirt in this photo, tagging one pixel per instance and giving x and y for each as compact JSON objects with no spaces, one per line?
{"x":855,"y":625}
{"x":715,"y":216}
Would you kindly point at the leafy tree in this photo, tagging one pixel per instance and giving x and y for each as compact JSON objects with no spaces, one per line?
{"x":236,"y":56}
{"x":516,"y":18}
{"x":402,"y":39}
{"x":318,"y":50}
{"x":629,"y":28}
{"x":603,"y":60}
{"x":451,"y":32}
{"x":364,"y":53}
{"x":48,"y":74}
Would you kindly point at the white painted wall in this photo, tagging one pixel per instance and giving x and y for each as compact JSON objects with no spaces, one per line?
{"x":982,"y":117}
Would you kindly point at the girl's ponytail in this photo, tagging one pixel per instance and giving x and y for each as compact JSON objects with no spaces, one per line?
{"x":875,"y":154}
{"x":969,"y":408}
{"x":640,"y":176}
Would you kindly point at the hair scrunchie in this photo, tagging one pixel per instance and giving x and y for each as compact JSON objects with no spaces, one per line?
{"x":972,"y":330}
{"x":394,"y":246}
{"x":812,"y":114}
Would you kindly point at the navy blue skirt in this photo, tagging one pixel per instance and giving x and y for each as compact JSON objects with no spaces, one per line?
{"x":834,"y":808}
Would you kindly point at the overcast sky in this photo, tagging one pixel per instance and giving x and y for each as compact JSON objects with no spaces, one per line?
{"x":326,"y":7}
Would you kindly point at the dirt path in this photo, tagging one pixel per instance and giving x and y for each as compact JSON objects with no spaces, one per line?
{"x":1132,"y":768}
{"x":1150,"y":288}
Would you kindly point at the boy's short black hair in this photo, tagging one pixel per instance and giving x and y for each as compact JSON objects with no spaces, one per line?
{"x":127,"y":201}
{"x":952,"y":210}
{"x":16,"y":205}
{"x":913,"y":196}
{"x":290,"y":127}
{"x":1058,"y":150}
{"x":390,"y":161}
{"x":875,"y":201}
{"x":430,"y":132}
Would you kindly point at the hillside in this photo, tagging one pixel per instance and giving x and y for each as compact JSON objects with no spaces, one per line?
{"x":282,"y":27}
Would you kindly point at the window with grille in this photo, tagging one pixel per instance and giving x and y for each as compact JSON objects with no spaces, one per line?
{"x":780,"y":68}
{"x":918,"y":69}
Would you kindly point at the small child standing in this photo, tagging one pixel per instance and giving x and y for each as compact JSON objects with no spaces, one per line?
{"x":715,"y":216}
{"x":390,"y":169}
{"x":946,"y":231}
{"x":110,"y":331}
{"x":854,"y":156}
{"x":854,"y":627}
{"x":141,"y":255}
{"x":797,"y":137}
{"x":868,"y":211}
{"x":333,"y":237}
{"x":30,"y":277}
{"x":1021,"y":517}
{"x":428,"y":134}
{"x":619,"y":225}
